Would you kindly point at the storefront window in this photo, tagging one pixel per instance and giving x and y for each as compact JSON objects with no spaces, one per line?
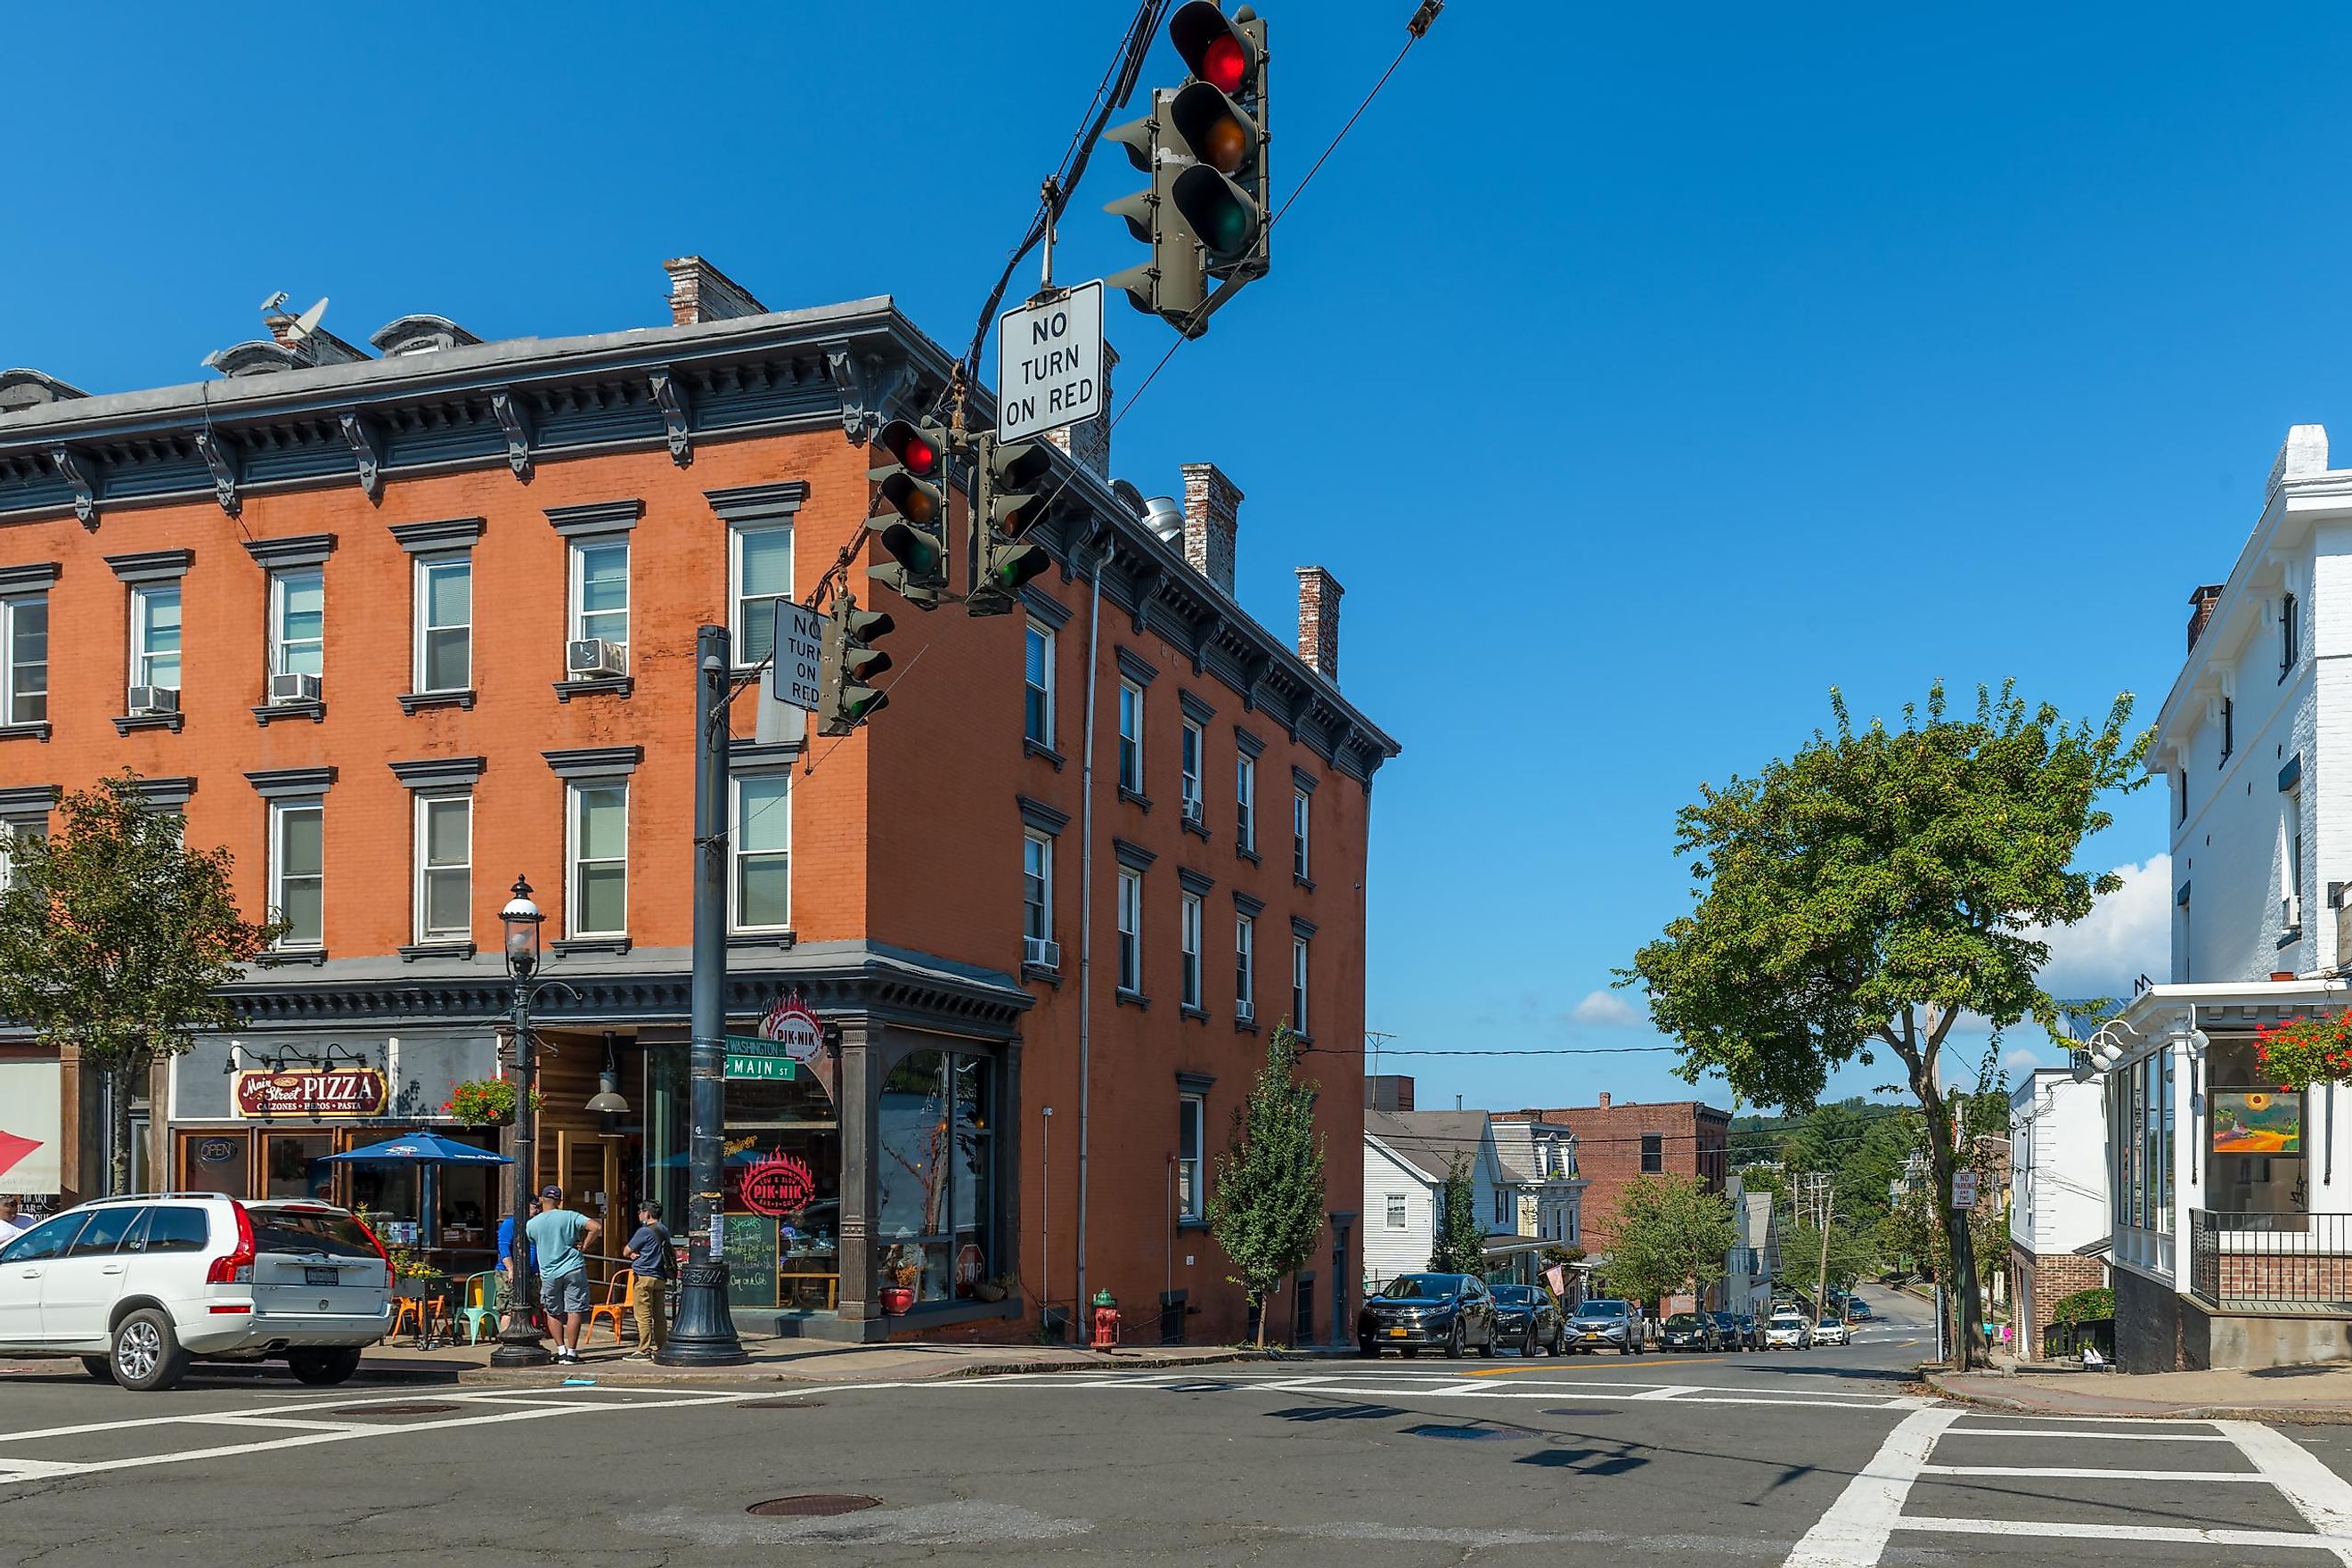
{"x":214,"y":1162}
{"x":2254,"y":1139}
{"x":295,"y":1164}
{"x":936,"y":1163}
{"x":782,"y":1161}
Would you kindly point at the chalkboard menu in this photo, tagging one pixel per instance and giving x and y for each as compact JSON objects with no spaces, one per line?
{"x":750,"y":1252}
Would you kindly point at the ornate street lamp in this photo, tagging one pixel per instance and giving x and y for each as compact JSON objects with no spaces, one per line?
{"x":520,"y":1342}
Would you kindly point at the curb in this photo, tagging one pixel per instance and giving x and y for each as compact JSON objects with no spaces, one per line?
{"x":2300,"y":1416}
{"x":646,"y":1376}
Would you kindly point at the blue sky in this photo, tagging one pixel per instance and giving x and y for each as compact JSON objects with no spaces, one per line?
{"x":1641,"y":374}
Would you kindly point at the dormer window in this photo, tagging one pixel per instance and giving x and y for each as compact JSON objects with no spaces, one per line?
{"x":420,"y":335}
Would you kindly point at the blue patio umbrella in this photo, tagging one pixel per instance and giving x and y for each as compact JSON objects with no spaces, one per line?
{"x":419,"y":1149}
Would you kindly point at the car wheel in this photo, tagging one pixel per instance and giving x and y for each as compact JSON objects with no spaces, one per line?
{"x":1528,"y":1346}
{"x":98,"y":1367}
{"x":1626,"y":1348}
{"x":1366,"y":1348}
{"x":320,"y":1368}
{"x":1455,"y":1342}
{"x":146,"y":1356}
{"x":1488,"y":1346}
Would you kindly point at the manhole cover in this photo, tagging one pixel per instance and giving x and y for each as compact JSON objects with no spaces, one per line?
{"x":814,"y":1505}
{"x":781,"y":1404}
{"x":1465,"y":1434}
{"x":420,"y":1408}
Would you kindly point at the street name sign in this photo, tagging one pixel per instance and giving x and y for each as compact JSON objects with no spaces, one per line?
{"x":1049,"y":363}
{"x":792,"y":675}
{"x":753,"y":1056}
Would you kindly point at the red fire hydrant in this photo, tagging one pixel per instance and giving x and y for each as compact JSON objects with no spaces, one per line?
{"x":1105,"y":1322}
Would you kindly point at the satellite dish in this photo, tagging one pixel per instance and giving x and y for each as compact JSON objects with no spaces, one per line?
{"x":307,"y":323}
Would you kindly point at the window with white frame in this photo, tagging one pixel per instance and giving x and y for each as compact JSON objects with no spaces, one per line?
{"x":598,"y":834}
{"x":2291,"y":860}
{"x":1396,"y":1211}
{"x":1196,"y":745}
{"x":1299,"y":984}
{"x":1037,"y":687}
{"x":1189,"y":940}
{"x":11,"y":835}
{"x":1246,"y":804}
{"x":298,"y":870}
{"x":1130,"y":931}
{"x":445,"y":623}
{"x":760,"y":568}
{"x":155,"y":635}
{"x":1244,"y":967}
{"x":1192,"y":1130}
{"x":762,"y":882}
{"x":1130,"y":737}
{"x":600,"y":590}
{"x":1036,"y":888}
{"x":24,"y":660}
{"x":1298,"y":862}
{"x":298,"y":621}
{"x":444,"y":868}
{"x":1502,"y":1201}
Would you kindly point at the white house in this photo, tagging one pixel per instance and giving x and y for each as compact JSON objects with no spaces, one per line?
{"x":2058,"y":1195}
{"x":2231,"y":1202}
{"x":1540,"y":1157}
{"x":1754,"y":1260}
{"x":1406,"y":1157}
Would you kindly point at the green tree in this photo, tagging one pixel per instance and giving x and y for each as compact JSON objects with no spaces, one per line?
{"x":1267,"y":1208}
{"x":1850,"y":1255}
{"x":115,"y":939}
{"x":1864,"y":894}
{"x":1671,"y":1234}
{"x":1457,"y":1241}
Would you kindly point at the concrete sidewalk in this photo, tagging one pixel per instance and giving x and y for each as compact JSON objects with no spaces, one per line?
{"x":2299,"y":1393}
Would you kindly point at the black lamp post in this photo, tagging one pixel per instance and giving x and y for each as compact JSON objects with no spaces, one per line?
{"x":520,"y":1342}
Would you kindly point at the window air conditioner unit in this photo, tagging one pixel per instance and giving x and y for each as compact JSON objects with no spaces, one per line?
{"x":590,"y":659}
{"x":2291,"y":912}
{"x":1192,"y":809}
{"x":293,"y":688}
{"x":154,"y":699}
{"x":1044,"y":953}
{"x":1242,"y":1011}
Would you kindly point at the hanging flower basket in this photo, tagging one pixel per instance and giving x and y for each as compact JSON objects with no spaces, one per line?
{"x":2303,"y":1051}
{"x":485,"y":1102}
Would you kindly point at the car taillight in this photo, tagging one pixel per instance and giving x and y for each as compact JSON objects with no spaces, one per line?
{"x":235,"y":1268}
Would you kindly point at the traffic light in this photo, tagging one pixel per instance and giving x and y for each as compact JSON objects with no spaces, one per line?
{"x":846,"y":662}
{"x":1172,"y":284}
{"x":1219,"y":118}
{"x":1013,"y":497}
{"x":913,"y":518}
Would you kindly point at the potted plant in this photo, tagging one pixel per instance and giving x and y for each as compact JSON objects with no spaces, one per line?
{"x":484,"y":1102}
{"x":905,"y":1272}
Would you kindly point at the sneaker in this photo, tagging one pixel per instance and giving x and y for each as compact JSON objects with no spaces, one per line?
{"x":568,"y":1358}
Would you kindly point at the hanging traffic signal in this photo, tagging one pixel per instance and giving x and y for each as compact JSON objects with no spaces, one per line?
{"x":1219,"y":119}
{"x":846,"y":663}
{"x":1171,"y":284}
{"x":1013,"y":497}
{"x":913,"y":517}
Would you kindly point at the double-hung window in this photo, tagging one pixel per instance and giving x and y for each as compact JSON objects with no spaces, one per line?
{"x":155,"y":635}
{"x":444,"y":868}
{"x":761,"y":884}
{"x":1037,"y":687}
{"x":761,"y":570}
{"x":2290,"y":858}
{"x":1298,"y":985}
{"x":1036,"y":895}
{"x":1192,"y":1130}
{"x":1244,"y":967}
{"x":12,"y":834}
{"x":1654,"y":1154}
{"x":1246,"y":804}
{"x":1395,"y":1206}
{"x":24,"y":660}
{"x":1130,"y":737}
{"x":445,"y":623}
{"x":297,"y":622}
{"x":1195,"y":745}
{"x":1130,"y":931}
{"x":600,"y":591}
{"x":1190,"y":942}
{"x":298,"y":870}
{"x":1298,"y":862}
{"x":599,"y":856}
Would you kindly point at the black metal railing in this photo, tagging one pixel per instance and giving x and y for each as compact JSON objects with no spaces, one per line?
{"x":2297,"y":1262}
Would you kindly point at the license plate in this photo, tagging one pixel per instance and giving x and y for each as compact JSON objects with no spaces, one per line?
{"x":1590,"y":1335}
{"x":320,"y":1277}
{"x":1396,"y":1334}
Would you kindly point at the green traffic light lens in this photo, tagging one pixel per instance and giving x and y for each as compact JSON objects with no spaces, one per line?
{"x":1228,"y":229}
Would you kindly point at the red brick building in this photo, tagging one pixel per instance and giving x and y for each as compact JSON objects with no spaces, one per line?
{"x":1617,"y":1140}
{"x":395,"y":629}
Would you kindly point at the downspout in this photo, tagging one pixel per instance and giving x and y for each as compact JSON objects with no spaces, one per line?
{"x":1086,"y":910}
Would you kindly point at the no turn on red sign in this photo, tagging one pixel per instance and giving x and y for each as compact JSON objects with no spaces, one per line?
{"x":1049,"y":363}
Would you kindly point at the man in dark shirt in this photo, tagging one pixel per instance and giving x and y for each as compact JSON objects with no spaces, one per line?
{"x":653,"y":1263}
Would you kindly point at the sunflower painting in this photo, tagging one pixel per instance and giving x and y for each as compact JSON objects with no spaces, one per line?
{"x":2257,"y":1123}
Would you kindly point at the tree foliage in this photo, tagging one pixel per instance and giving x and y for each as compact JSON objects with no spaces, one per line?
{"x":1852,"y":1256}
{"x":1457,"y":1241}
{"x":1267,"y":1208}
{"x":1671,"y":1234}
{"x":1863,"y":894}
{"x":116,"y":938}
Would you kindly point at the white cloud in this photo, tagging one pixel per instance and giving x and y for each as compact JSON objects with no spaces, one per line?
{"x":1607,"y":1008}
{"x":2129,"y":934}
{"x":2022,"y":1059}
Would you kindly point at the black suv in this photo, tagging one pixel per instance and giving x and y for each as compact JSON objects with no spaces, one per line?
{"x":1446,"y":1312}
{"x":1528,"y":1316}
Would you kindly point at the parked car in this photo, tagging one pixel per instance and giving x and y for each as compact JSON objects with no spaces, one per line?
{"x":1605,"y":1322}
{"x":140,"y":1287}
{"x":1414,"y":1313}
{"x":1528,"y":1316}
{"x":1736,"y":1332}
{"x":1832,"y":1331}
{"x":1690,"y":1331}
{"x":1858,"y":1310}
{"x":1789,"y":1331}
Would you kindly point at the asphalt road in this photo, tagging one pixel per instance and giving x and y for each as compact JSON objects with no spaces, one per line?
{"x":1825,"y":1458}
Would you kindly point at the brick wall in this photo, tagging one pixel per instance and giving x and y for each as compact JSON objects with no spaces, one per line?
{"x":1692,"y":1141}
{"x":2039,"y":1281}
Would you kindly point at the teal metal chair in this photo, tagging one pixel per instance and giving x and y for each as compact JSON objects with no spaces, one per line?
{"x":481,"y":1304}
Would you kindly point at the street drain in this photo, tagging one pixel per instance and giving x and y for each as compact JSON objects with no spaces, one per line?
{"x":781,"y":1404}
{"x":420,"y":1408}
{"x":814,"y":1505}
{"x":1466,"y":1433}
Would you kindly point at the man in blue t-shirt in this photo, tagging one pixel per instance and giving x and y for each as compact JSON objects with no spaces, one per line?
{"x":505,"y":1265}
{"x":560,"y":1236}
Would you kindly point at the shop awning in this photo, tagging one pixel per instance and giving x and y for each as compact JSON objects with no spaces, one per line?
{"x":419,"y":1149}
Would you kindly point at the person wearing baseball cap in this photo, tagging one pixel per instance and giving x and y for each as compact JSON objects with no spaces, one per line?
{"x":559,"y":1235}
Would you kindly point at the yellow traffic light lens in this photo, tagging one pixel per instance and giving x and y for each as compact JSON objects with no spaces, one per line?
{"x":916,"y":506}
{"x":1226,"y":144}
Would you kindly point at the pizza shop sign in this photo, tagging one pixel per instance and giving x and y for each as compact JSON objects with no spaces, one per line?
{"x":311,"y":1092}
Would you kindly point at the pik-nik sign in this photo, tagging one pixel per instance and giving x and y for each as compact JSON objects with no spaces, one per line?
{"x":1049,"y":363}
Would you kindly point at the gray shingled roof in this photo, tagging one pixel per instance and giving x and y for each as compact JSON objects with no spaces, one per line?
{"x":1429,"y":1139}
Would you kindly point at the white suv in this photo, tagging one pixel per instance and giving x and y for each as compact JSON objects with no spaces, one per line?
{"x":138,"y":1287}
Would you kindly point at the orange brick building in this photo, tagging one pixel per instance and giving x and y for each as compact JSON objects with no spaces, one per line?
{"x":1618,"y":1141}
{"x":397,"y":628}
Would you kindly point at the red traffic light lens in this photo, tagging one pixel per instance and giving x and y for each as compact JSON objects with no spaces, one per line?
{"x":1223,"y":63}
{"x":918,"y":457}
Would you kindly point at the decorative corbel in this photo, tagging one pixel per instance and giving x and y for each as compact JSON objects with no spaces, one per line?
{"x":1147,"y":588}
{"x":514,"y":419}
{"x":866,"y":387}
{"x":367,"y":451}
{"x":222,"y":461}
{"x":1253,"y":674}
{"x":670,"y":398}
{"x":70,"y":469}
{"x":1209,"y":636}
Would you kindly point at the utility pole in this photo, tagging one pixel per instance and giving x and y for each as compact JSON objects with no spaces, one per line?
{"x":1824,"y":1202}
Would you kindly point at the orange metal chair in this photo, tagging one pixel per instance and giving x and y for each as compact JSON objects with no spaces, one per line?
{"x":619,"y":1300}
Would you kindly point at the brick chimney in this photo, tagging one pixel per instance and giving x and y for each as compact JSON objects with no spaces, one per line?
{"x":1604,"y":1100}
{"x":2200,"y":611}
{"x":1318,"y":620}
{"x":700,"y":292}
{"x":1212,"y":508}
{"x":1088,"y":441}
